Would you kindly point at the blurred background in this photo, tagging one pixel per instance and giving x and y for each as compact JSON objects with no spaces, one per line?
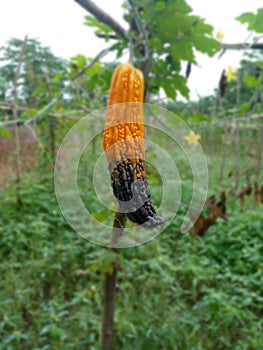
{"x":199,"y":290}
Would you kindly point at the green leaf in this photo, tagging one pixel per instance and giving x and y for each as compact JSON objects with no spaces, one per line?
{"x":175,"y":83}
{"x":181,"y":84}
{"x":200,"y":26}
{"x":91,"y":21}
{"x":254,"y":21}
{"x":160,"y":6}
{"x":58,"y":77}
{"x":169,"y":89}
{"x":243,"y":108}
{"x":182,"y":51}
{"x":5,"y":133}
{"x":94,"y":69}
{"x":29,"y":113}
{"x":179,"y":7}
{"x":101,"y":28}
{"x":206,"y":45}
{"x":251,"y":81}
{"x":259,"y":21}
{"x":119,"y":47}
{"x":173,"y":28}
{"x":247,"y":17}
{"x":79,"y":60}
{"x":199,"y":118}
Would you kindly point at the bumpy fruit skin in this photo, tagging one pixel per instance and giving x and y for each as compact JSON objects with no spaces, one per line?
{"x":123,"y":142}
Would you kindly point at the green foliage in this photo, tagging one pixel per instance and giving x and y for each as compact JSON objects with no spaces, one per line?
{"x":167,"y":35}
{"x":45,"y":80}
{"x":176,"y":35}
{"x":198,"y":118}
{"x":254,"y":21}
{"x":243,"y":95}
{"x":176,"y":292}
{"x":94,"y":83}
{"x":38,"y":68}
{"x":100,"y":27}
{"x":37,"y":251}
{"x":5,"y":133}
{"x":251,"y":81}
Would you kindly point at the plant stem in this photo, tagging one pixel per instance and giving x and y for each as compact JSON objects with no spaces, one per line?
{"x":109,"y":307}
{"x":238,"y":153}
{"x":224,"y":146}
{"x":102,"y":16}
{"x":118,"y":227}
{"x":110,"y":281}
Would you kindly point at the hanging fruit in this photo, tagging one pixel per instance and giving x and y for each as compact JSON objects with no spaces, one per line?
{"x":123,"y":142}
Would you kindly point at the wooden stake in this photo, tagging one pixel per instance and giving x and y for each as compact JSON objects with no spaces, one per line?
{"x":15,"y":117}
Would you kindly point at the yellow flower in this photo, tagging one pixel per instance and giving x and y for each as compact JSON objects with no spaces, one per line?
{"x":220,"y":35}
{"x":231,"y":73}
{"x":192,"y":138}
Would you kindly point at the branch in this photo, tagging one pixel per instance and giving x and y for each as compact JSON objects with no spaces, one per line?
{"x":141,"y":31}
{"x":45,"y":110}
{"x":106,"y":36}
{"x":256,"y":116}
{"x":89,"y":65}
{"x":16,"y":132}
{"x":102,"y":16}
{"x":110,"y":282}
{"x":118,"y":227}
{"x":10,"y":107}
{"x":242,"y":46}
